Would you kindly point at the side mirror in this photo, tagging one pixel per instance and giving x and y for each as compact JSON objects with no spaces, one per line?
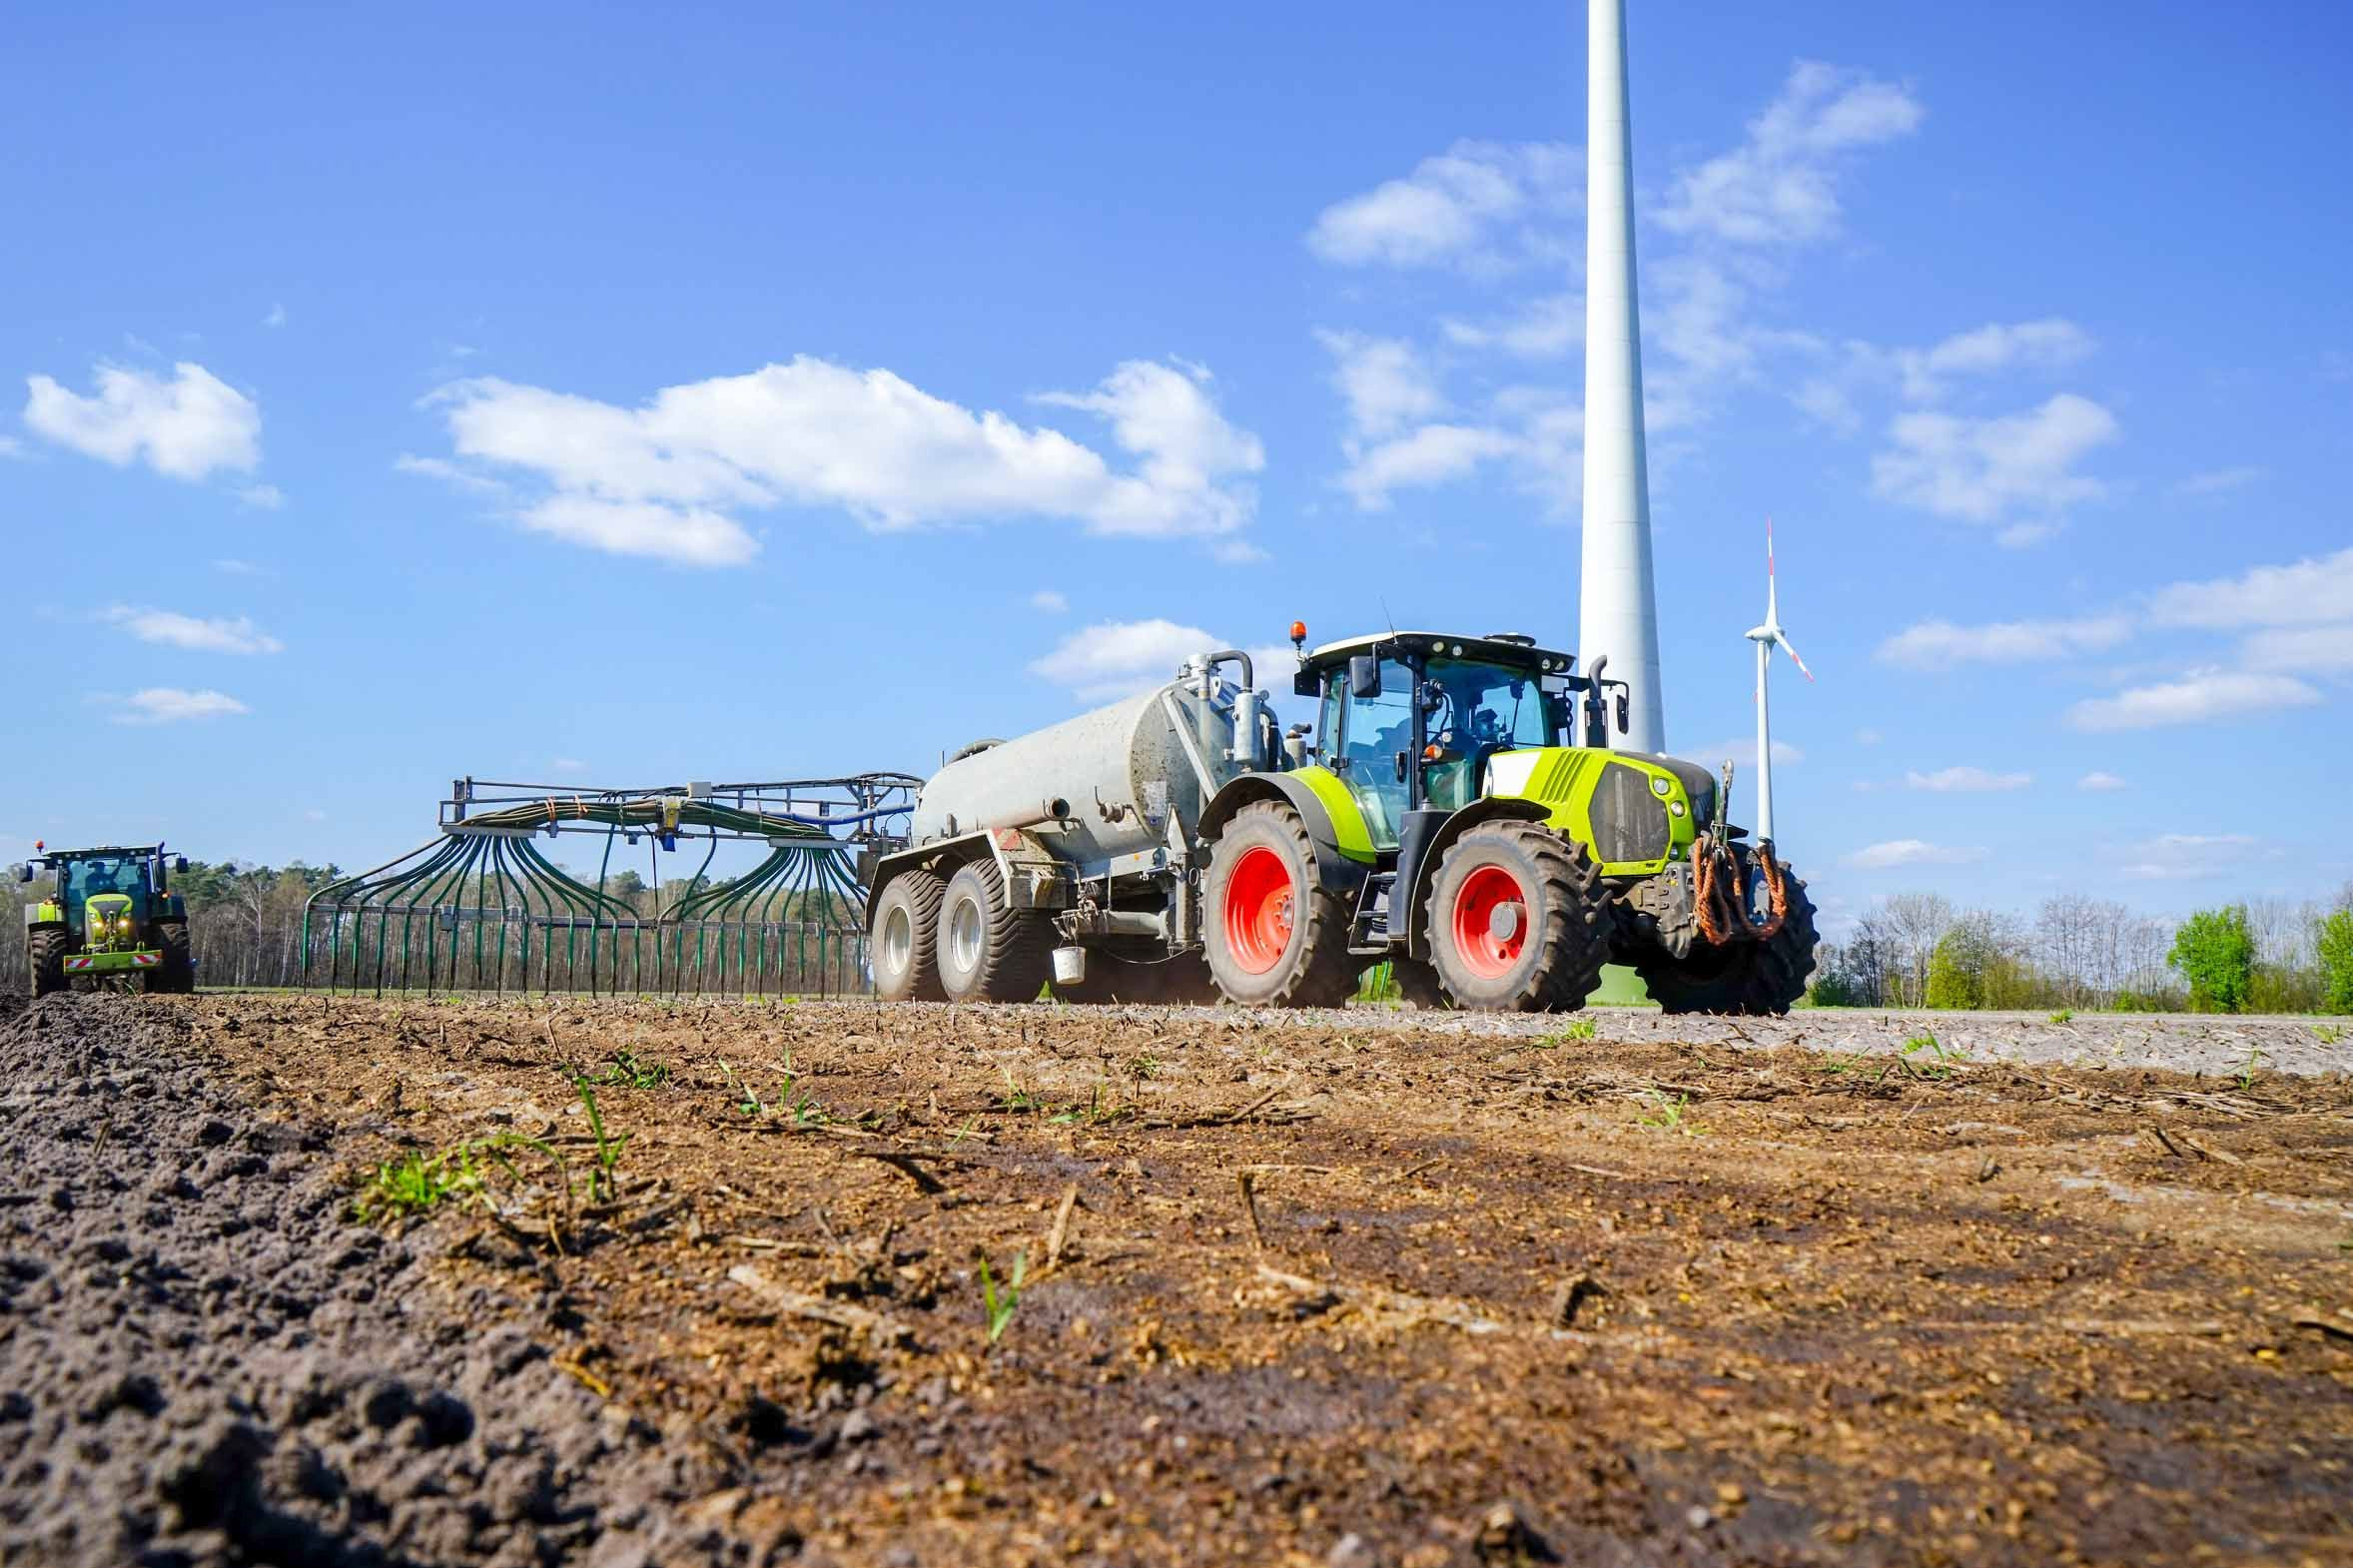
{"x":1365,"y":676}
{"x":180,"y":865}
{"x":1305,"y":684}
{"x":24,"y":871}
{"x":1403,"y":765}
{"x":1623,"y":713}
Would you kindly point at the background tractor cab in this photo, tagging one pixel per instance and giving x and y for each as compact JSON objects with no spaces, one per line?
{"x":106,"y":913}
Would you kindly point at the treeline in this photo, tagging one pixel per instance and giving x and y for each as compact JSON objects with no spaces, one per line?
{"x":1920,"y":950}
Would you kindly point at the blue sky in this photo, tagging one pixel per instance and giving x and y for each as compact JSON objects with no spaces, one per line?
{"x":578,"y":394}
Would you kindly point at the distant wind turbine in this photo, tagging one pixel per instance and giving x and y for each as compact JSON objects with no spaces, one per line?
{"x":1765,"y":636}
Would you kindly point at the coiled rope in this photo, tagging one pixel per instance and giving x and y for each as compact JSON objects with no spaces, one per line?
{"x":1719,"y":905}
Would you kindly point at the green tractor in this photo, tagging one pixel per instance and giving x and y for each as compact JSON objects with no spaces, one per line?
{"x":106,"y":916}
{"x":1438,"y":815}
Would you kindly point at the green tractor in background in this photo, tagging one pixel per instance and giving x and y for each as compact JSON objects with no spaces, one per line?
{"x":106,"y":915}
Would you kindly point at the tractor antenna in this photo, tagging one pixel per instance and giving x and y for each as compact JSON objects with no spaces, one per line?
{"x":1386,"y":615}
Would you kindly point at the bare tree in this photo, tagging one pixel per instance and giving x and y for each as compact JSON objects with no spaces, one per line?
{"x":1914,"y":923}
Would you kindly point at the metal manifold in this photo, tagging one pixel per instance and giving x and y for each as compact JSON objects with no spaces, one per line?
{"x":483,"y":906}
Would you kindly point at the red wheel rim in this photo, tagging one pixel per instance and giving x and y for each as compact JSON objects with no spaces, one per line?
{"x":1259,"y":900}
{"x":1490,"y":922}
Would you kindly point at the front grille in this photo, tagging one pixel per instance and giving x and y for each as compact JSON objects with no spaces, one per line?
{"x":1629,"y":821}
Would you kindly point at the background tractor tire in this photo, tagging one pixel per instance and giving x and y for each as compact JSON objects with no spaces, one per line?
{"x":1518,"y":920}
{"x":1275,"y":936}
{"x":47,"y":949}
{"x":901,"y":948}
{"x":174,"y":973}
{"x":987,"y":950}
{"x":1755,"y":977}
{"x":1418,"y":984}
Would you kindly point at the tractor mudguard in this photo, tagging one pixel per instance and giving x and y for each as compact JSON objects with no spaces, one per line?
{"x":1345,"y":851}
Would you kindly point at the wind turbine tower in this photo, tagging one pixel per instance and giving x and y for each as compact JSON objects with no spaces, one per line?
{"x":1765,"y":637}
{"x":1618,"y":610}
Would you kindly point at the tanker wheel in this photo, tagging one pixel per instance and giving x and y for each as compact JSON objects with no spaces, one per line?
{"x":988,"y":949}
{"x":1276,"y":935}
{"x":1518,"y":920}
{"x":902,"y":942}
{"x":1759,"y":977}
{"x":174,"y":974}
{"x":47,"y":949}
{"x":1418,"y":984}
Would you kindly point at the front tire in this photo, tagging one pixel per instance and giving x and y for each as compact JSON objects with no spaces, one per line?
{"x":1756,"y":978}
{"x":47,"y":949}
{"x":1518,"y":920}
{"x":900,"y":944}
{"x":1275,"y":936}
{"x":988,"y":951}
{"x":174,"y":974}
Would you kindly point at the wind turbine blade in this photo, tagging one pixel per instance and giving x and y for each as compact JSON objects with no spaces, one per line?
{"x":1771,"y":588}
{"x":1793,"y":653}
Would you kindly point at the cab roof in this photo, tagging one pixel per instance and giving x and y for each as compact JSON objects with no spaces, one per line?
{"x":1496,"y":649}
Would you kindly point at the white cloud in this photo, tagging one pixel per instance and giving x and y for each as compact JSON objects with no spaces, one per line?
{"x":1779,"y":186}
{"x":1937,"y":645}
{"x":2174,"y":857}
{"x":1477,"y":204}
{"x":1383,"y":380}
{"x":2217,"y":480}
{"x":1868,"y":736}
{"x":662,"y":479}
{"x":1048,"y":601}
{"x":2309,"y":650}
{"x":185,"y":426}
{"x":2099,"y":780}
{"x":1984,"y":470}
{"x":1742,"y":753}
{"x":1431,"y":455}
{"x":170,"y":705}
{"x":240,"y":568}
{"x":448,"y":473}
{"x":276,"y":318}
{"x":200,"y":635}
{"x":1966,"y":781}
{"x":1112,"y":659}
{"x":686,"y":535}
{"x":1911,"y":852}
{"x":569,"y":765}
{"x":2197,"y":697}
{"x":2316,"y":589}
{"x":262,"y":497}
{"x":1543,"y":328}
{"x":1996,"y":346}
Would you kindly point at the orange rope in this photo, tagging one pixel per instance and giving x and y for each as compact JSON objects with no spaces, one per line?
{"x":1716,"y":905}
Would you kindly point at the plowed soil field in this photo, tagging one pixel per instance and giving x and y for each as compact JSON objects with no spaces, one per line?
{"x":1330,"y":1289}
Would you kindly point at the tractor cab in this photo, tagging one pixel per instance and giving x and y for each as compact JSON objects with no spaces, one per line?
{"x":1412,"y":721}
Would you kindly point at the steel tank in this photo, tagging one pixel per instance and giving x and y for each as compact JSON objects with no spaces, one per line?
{"x":1096,"y":773}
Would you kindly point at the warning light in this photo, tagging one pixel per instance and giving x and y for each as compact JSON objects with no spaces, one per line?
{"x":1299,"y":632}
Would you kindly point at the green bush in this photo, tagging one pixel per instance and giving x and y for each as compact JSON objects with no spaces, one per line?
{"x":2334,"y":942}
{"x":2215,"y":953}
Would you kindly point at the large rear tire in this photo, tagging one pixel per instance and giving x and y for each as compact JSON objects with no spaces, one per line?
{"x":1275,"y":936}
{"x":46,"y":950}
{"x":900,"y":947}
{"x":988,"y":949}
{"x":1518,"y":920}
{"x":1756,"y":978}
{"x":174,"y":974}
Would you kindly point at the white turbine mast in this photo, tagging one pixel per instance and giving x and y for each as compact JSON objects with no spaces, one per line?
{"x":1617,"y":611}
{"x":1765,"y":637}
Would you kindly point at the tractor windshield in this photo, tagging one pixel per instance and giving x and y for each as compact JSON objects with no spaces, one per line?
{"x":1476,"y":710}
{"x":86,"y":879}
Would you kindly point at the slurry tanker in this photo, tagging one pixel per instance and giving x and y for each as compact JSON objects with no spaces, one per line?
{"x":1440,"y":814}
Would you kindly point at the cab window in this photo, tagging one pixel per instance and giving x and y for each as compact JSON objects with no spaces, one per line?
{"x":1372,"y":734}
